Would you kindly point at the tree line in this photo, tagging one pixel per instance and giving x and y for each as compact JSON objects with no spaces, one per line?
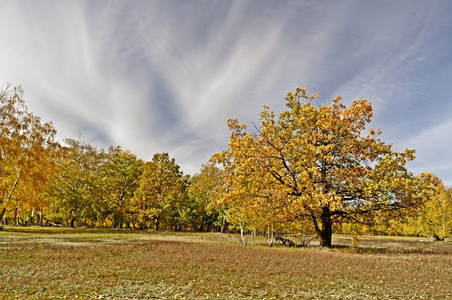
{"x":309,"y":170}
{"x":77,"y":184}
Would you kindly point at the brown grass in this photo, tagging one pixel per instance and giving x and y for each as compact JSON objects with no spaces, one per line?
{"x":105,"y":264}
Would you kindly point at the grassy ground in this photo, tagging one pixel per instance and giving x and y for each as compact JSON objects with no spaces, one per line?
{"x":59,"y":263}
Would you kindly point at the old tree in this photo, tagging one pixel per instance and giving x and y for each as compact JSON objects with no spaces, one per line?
{"x":314,"y":163}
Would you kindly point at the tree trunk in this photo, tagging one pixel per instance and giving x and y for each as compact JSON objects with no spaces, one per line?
{"x":31,"y":218}
{"x":2,"y":214}
{"x":270,"y":238}
{"x":253,"y":235}
{"x":10,"y":196}
{"x":242,"y":238}
{"x":40,"y":217}
{"x":326,"y":232}
{"x":71,"y":224}
{"x":16,"y":212}
{"x":223,"y":223}
{"x":157,"y":224}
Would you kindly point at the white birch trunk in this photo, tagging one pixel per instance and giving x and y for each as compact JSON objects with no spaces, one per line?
{"x":242,"y":237}
{"x":270,"y":235}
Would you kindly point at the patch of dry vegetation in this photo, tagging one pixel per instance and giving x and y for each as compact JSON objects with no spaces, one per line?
{"x":90,"y":264}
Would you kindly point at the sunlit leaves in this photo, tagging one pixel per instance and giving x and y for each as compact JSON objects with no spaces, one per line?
{"x":435,"y":217}
{"x":205,"y":191}
{"x":118,"y":180}
{"x":26,"y":149}
{"x":310,"y":163}
{"x":315,"y":162}
{"x":72,"y":187}
{"x":161,"y":192}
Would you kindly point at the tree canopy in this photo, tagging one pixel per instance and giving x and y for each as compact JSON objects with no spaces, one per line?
{"x":316,"y":163}
{"x":26,"y":149}
{"x":310,"y":169}
{"x":162,"y":190}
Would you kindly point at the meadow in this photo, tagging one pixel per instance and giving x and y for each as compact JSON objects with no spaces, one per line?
{"x":62,"y":263}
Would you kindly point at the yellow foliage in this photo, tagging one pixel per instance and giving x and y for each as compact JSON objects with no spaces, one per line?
{"x":27,"y":147}
{"x":313,"y":163}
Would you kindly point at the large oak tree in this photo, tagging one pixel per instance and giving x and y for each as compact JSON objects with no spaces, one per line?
{"x":314,"y":162}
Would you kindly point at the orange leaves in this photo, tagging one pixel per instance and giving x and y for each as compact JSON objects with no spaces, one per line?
{"x":26,"y":148}
{"x":317,"y":156}
{"x":337,"y":99}
{"x":233,"y":124}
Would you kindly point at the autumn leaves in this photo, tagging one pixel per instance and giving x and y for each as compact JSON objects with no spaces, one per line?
{"x":304,"y":170}
{"x":313,"y":163}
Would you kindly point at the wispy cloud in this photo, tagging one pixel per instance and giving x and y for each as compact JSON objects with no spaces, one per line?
{"x":157,"y":76}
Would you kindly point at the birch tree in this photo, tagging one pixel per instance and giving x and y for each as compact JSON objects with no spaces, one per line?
{"x":26,"y":147}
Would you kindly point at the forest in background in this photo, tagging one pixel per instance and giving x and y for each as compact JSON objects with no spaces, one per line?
{"x":75,"y":184}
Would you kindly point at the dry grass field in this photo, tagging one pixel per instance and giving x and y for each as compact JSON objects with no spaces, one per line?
{"x":59,"y":263}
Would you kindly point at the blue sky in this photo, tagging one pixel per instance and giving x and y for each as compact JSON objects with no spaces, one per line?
{"x":164,"y":76}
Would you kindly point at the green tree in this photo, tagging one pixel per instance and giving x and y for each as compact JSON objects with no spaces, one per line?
{"x":162,"y":191}
{"x":118,"y":181}
{"x":434,"y":218}
{"x":72,"y":187}
{"x":315,"y":163}
{"x":439,"y":213}
{"x":206,"y":190}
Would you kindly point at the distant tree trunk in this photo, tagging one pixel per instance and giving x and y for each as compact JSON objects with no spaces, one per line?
{"x":157,"y":224}
{"x":10,"y":196}
{"x":16,"y":212}
{"x":270,"y":235}
{"x":201,"y":226}
{"x":242,"y":237}
{"x":31,"y":220}
{"x":253,"y":235}
{"x":223,"y":223}
{"x":72,"y":222}
{"x":2,"y":214}
{"x":40,"y":217}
